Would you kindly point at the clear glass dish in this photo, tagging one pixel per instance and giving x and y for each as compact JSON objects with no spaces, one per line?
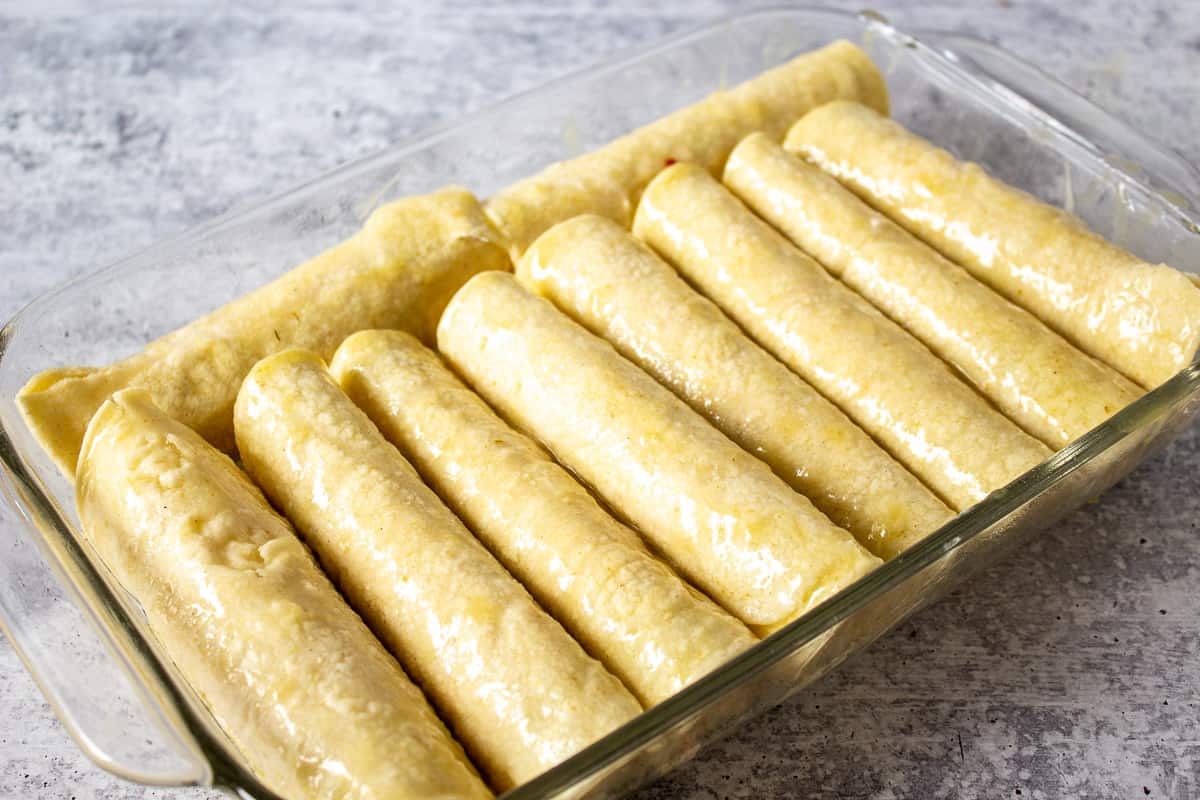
{"x":84,"y":640}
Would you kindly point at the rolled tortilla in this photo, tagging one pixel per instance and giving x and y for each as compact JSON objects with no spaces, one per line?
{"x":516,"y":689}
{"x":1036,"y":377}
{"x":398,"y":271}
{"x":310,"y":697}
{"x":883,"y":378}
{"x":1143,"y":319}
{"x":616,"y":287}
{"x":729,"y":524}
{"x":591,"y":572}
{"x":609,"y":181}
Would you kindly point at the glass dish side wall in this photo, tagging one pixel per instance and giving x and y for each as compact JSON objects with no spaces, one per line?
{"x":796,"y":656}
{"x":114,"y":312}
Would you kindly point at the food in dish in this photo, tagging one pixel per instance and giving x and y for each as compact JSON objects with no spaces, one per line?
{"x":510,"y":681}
{"x":883,"y":378}
{"x":727,"y":522}
{"x":591,"y":572}
{"x":1143,"y":319}
{"x":1038,"y":379}
{"x":612,"y":284}
{"x":292,"y":674}
{"x":515,"y":688}
{"x":398,"y":271}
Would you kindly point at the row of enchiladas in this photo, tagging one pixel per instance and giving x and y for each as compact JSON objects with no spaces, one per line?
{"x":560,"y":454}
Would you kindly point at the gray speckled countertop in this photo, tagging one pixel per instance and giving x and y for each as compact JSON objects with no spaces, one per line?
{"x":1071,"y":671}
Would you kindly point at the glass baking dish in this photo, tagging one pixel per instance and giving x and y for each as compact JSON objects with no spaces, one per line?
{"x":85,"y":642}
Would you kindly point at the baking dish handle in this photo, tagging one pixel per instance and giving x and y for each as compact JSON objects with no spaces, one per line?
{"x":80,"y":670}
{"x":1073,"y":115}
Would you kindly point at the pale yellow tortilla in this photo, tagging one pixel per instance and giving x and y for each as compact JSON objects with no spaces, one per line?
{"x":309,"y":696}
{"x":591,"y":572}
{"x":611,"y":283}
{"x":609,"y":181}
{"x":728,"y":523}
{"x":398,"y":271}
{"x":1143,"y":319}
{"x":515,"y":688}
{"x":885,"y":380}
{"x":1042,"y":382}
